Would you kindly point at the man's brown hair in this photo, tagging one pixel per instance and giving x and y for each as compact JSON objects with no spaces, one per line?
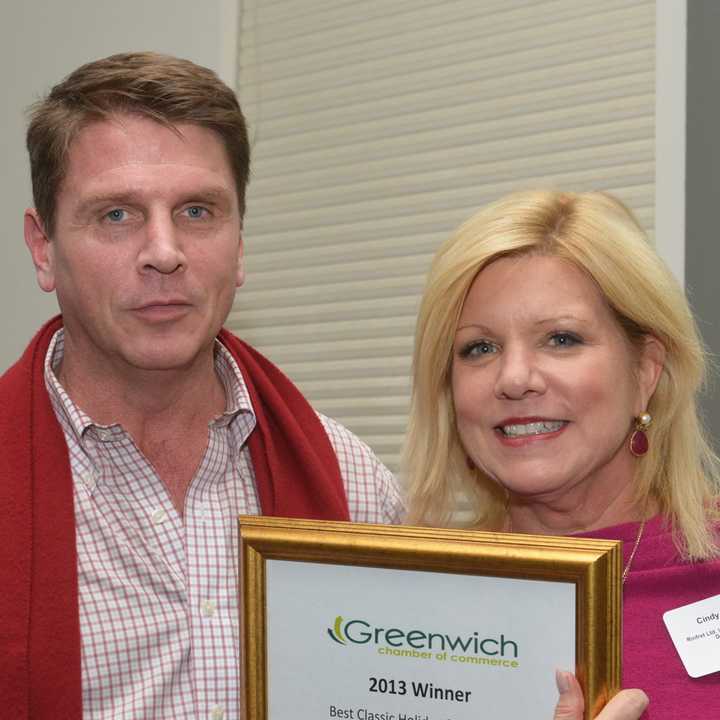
{"x":166,"y":89}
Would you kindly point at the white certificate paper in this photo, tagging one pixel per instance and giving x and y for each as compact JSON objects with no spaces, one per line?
{"x":368,"y":643}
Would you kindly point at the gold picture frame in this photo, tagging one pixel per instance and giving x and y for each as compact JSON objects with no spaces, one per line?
{"x":593,"y":568}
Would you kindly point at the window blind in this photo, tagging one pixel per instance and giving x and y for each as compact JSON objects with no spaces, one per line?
{"x":378,"y":127}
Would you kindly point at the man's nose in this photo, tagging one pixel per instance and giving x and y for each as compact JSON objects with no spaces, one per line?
{"x":162,"y":249}
{"x":519,"y":374}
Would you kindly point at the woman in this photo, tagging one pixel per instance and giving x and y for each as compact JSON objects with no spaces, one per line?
{"x":556,"y":369}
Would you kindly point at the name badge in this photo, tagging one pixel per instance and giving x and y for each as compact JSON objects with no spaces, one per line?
{"x":695,"y":631}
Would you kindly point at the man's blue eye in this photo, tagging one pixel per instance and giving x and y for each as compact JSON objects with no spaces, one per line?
{"x":196,"y":211}
{"x":116,"y":215}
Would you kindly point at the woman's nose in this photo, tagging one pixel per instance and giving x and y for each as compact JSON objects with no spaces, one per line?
{"x":518,"y":374}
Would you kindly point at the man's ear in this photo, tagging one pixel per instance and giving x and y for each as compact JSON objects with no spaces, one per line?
{"x":41,"y":250}
{"x":650,"y":367}
{"x":240,"y":277}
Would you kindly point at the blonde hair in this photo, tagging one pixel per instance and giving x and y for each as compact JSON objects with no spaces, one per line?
{"x":599,"y":235}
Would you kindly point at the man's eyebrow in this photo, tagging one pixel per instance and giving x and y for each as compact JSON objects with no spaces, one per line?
{"x":116,"y":198}
{"x":210,"y":193}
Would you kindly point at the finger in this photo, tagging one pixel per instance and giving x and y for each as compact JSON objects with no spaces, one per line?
{"x":570,"y":704}
{"x":626,"y":705}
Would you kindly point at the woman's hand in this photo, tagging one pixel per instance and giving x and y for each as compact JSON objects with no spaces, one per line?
{"x":626,"y":705}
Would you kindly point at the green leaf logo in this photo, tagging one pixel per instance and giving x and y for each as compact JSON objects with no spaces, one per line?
{"x":336,"y":633}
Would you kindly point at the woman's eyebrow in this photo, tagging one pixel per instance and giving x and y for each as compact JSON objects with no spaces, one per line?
{"x":558,"y":318}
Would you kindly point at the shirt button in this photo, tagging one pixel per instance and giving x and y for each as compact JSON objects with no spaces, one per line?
{"x":217,"y":713}
{"x":104,"y":434}
{"x":208,"y":610}
{"x":159,"y":516}
{"x":89,"y":479}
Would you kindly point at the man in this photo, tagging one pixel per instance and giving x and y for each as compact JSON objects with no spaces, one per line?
{"x":134,"y":429}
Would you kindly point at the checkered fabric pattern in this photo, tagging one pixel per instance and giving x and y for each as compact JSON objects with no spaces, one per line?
{"x":158,"y":592}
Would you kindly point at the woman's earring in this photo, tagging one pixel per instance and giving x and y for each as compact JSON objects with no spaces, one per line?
{"x":639,"y":443}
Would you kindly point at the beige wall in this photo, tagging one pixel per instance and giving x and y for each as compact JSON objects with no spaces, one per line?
{"x":42,"y":41}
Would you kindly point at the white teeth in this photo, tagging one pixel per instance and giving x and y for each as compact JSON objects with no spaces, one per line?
{"x":535,"y":428}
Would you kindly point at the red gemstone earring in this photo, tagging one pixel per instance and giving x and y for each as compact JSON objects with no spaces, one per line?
{"x":639,"y":443}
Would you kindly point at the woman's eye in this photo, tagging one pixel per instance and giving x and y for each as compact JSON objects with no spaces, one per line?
{"x":564,"y":339}
{"x":478,"y":348}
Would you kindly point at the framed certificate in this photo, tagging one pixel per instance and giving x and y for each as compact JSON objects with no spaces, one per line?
{"x":373,"y":622}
